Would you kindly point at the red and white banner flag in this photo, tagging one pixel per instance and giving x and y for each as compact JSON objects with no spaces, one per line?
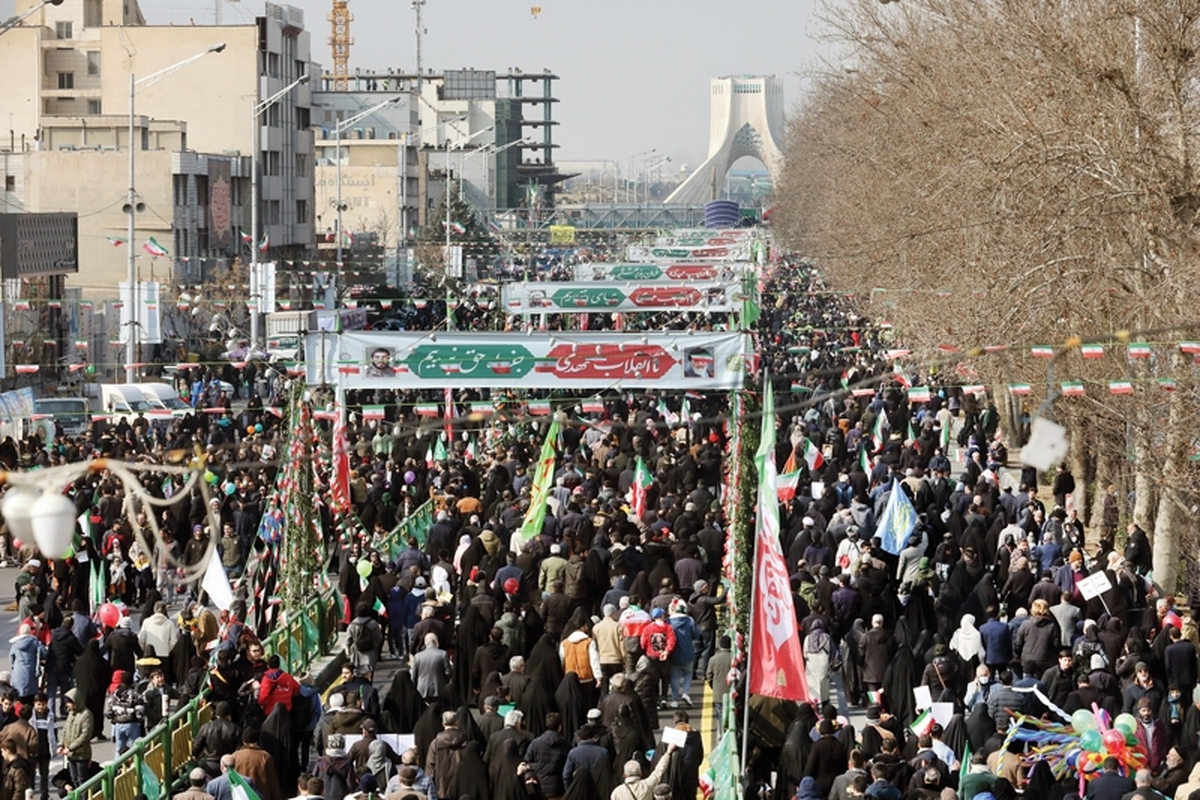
{"x":340,"y":480}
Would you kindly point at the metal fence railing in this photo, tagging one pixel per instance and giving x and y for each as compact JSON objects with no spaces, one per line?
{"x":151,"y":765}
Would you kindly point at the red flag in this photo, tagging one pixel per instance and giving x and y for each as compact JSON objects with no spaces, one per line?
{"x":340,"y":483}
{"x":776,"y":658}
{"x":449,"y":418}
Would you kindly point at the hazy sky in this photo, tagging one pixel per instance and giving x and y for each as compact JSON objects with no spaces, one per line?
{"x":635,"y":73}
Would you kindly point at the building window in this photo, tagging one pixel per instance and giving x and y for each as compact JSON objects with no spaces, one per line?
{"x":301,"y":212}
{"x":273,"y":116}
{"x":93,"y":59}
{"x":10,"y":183}
{"x":63,"y":30}
{"x":273,"y":212}
{"x":66,"y":80}
{"x":301,"y":165}
{"x":93,"y":13}
{"x":271,"y":162}
{"x":273,"y":64}
{"x":94,"y":107}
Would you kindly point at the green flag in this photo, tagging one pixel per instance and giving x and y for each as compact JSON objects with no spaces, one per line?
{"x":542,"y":480}
{"x":439,"y":450}
{"x":239,"y":788}
{"x":965,"y":766}
{"x":98,"y":589}
{"x":151,"y":786}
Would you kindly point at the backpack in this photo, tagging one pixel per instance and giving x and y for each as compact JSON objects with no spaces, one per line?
{"x":574,"y":578}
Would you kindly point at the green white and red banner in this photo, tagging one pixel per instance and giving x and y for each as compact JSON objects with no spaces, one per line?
{"x":679,"y":271}
{"x":734,"y":251}
{"x":589,"y":360}
{"x":596,"y":296}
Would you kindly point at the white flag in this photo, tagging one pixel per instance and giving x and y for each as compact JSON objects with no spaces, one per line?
{"x":216,"y":583}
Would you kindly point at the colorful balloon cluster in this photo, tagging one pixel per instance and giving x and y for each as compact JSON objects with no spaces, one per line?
{"x":1082,"y":746}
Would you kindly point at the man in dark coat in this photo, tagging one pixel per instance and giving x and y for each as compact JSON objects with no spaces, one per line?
{"x":547,"y":755}
{"x":875,"y":649}
{"x":826,"y":759}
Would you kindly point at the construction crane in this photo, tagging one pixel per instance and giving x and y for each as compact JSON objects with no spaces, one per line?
{"x":339,"y":43}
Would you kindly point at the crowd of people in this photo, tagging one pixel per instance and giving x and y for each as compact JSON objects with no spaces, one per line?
{"x":575,"y":662}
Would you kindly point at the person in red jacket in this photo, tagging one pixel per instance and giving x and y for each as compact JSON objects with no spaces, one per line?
{"x":277,"y":687}
{"x":658,"y":640}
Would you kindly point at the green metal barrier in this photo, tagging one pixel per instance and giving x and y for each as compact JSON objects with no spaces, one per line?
{"x":166,"y":751}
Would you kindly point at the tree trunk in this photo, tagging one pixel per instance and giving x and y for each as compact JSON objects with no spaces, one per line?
{"x":1143,"y":484}
{"x":1079,"y":467}
{"x":1099,"y":490}
{"x":1172,"y":512}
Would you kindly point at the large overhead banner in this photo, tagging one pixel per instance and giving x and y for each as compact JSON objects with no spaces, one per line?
{"x":594,"y":296}
{"x":702,"y":237}
{"x":660,"y":272}
{"x":734,"y":251}
{"x":577,"y":360}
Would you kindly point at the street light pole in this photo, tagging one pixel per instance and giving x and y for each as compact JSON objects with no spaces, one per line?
{"x":446,"y":257}
{"x":255,"y":131}
{"x":337,"y":131}
{"x":131,"y":201}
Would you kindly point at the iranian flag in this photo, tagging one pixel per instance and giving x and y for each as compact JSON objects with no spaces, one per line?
{"x":539,"y":408}
{"x":789,"y":480}
{"x":812,"y":456}
{"x":154,"y":248}
{"x":1189,"y":347}
{"x":1120,"y":387}
{"x":1072,"y":388}
{"x":642,"y":481}
{"x":379,"y":608}
{"x":877,"y":433}
{"x":864,"y":460}
{"x":923,"y":724}
{"x":1166,"y":384}
{"x":247,"y":238}
{"x":919,"y":394}
{"x":863,"y":392}
{"x":483,"y":409}
{"x":669,"y":416}
{"x":1019,"y":388}
{"x":26,"y":369}
{"x":115,"y":241}
{"x":339,"y":483}
{"x":593,"y":406}
{"x":458,"y":228}
{"x":427,"y":410}
{"x":265,"y":243}
{"x":1092,"y":351}
{"x":239,"y":789}
{"x":373,"y":412}
{"x":1041,"y":351}
{"x":429,"y":456}
{"x":1139,"y":350}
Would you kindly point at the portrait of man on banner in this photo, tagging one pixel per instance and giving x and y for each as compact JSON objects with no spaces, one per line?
{"x":380,"y":363}
{"x":698,"y":362}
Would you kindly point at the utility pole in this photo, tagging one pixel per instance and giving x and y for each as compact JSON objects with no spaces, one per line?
{"x":417,"y":6}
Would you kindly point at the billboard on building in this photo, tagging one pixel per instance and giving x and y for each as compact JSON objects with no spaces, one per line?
{"x":571,"y":360}
{"x":38,"y":244}
{"x":220,"y":203}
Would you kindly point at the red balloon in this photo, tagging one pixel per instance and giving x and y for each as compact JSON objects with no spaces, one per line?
{"x":17,"y":543}
{"x":1114,"y":741}
{"x":110,"y":615}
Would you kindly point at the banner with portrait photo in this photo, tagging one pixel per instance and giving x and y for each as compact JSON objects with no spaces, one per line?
{"x":549,"y":297}
{"x":572,"y":360}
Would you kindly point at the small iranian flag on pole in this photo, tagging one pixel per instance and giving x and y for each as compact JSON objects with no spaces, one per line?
{"x":789,"y":479}
{"x":975,"y":389}
{"x":115,"y":241}
{"x":247,"y":238}
{"x":379,"y":608}
{"x":1167,"y":384}
{"x":154,"y":248}
{"x":1189,"y":347}
{"x":1041,"y":351}
{"x":458,"y":228}
{"x":1019,"y":388}
{"x":239,"y":789}
{"x":429,"y":456}
{"x":812,"y":456}
{"x":1072,"y":388}
{"x":923,"y":724}
{"x":1120,"y":387}
{"x":373,"y":412}
{"x":1139,"y":349}
{"x":864,"y":460}
{"x":265,"y":243}
{"x":1092,"y":351}
{"x":642,"y":481}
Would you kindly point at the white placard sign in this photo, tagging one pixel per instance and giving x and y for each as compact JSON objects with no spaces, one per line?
{"x":1094,"y":585}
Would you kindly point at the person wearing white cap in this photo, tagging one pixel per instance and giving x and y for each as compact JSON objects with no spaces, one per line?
{"x":635,"y":787}
{"x":554,"y":568}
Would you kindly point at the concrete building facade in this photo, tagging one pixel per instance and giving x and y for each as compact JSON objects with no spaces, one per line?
{"x":69,"y":95}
